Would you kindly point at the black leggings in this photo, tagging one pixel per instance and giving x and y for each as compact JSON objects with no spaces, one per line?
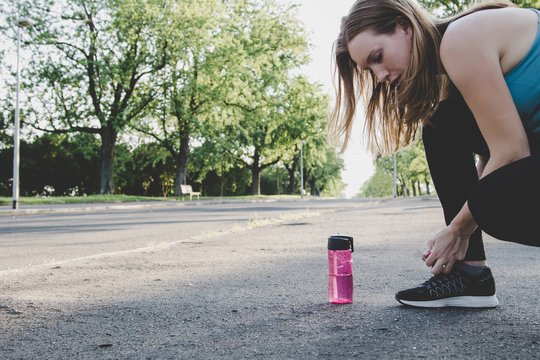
{"x":505,"y":203}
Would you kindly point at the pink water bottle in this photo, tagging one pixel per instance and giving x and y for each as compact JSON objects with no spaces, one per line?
{"x":340,"y":278}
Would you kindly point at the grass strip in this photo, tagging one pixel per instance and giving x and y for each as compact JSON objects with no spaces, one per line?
{"x":36,"y":200}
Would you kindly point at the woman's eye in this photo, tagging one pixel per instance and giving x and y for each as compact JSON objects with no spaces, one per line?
{"x":378,"y":58}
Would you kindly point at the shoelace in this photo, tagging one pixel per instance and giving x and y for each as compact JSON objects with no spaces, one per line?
{"x":442,"y":285}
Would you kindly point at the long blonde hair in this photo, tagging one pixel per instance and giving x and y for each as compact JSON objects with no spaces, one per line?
{"x":393,"y":114}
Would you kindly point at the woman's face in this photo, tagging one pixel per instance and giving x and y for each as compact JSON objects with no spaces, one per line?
{"x":386,"y":55}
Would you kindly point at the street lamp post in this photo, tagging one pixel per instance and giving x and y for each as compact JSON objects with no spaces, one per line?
{"x":395,"y":180}
{"x":22,"y":23}
{"x":302,"y":142}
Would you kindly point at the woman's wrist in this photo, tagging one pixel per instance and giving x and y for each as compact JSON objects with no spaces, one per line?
{"x":461,"y":230}
{"x":463,"y":224}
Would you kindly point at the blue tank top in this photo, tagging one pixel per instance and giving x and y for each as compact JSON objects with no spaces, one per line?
{"x":524,"y":84}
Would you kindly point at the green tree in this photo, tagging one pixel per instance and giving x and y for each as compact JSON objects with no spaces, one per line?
{"x":411,"y":172}
{"x":139,"y":170}
{"x":450,"y":7}
{"x":418,"y":170}
{"x":298,"y":114}
{"x":304,"y":118}
{"x":379,"y":185}
{"x":6,"y":139}
{"x":323,"y":172}
{"x":386,"y":164}
{"x":255,"y":130}
{"x":54,"y":164}
{"x":187,"y":81}
{"x":92,"y":67}
{"x":445,"y":7}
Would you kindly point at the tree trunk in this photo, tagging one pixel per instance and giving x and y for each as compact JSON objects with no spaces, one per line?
{"x":222,"y":183}
{"x":277,"y":180}
{"x":255,"y":181}
{"x":427,"y":187}
{"x":312,"y":189}
{"x":108,"y":141}
{"x":179,"y":179}
{"x":291,"y":188}
{"x":404,"y":190}
{"x":255,"y":176}
{"x":292,"y":180}
{"x":181,"y":163}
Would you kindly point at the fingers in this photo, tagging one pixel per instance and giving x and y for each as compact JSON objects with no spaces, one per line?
{"x":431,"y":259}
{"x":449,"y":266}
{"x":438,"y":266}
{"x":443,"y":250}
{"x":443,"y":265}
{"x":430,"y":244}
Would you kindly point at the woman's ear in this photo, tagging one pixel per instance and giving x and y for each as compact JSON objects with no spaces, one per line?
{"x":404,"y":24}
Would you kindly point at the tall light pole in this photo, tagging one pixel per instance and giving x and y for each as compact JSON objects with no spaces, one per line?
{"x":302,"y":142}
{"x":21,"y":23}
{"x":395,"y":175}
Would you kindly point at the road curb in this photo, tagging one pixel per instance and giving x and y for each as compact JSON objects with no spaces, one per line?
{"x":67,"y":209}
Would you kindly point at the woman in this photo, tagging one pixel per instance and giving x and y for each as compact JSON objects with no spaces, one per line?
{"x":413,"y":71}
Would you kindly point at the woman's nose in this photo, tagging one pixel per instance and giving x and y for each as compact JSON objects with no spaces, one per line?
{"x":382,"y":74}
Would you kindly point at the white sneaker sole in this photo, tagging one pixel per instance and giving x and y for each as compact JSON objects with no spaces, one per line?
{"x":458,"y":301}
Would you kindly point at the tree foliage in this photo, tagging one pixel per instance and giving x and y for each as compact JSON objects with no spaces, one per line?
{"x":263,"y":117}
{"x":187,"y":82}
{"x":444,"y":8}
{"x":210,"y":86}
{"x":54,"y":164}
{"x":412,"y":174}
{"x":92,"y":67}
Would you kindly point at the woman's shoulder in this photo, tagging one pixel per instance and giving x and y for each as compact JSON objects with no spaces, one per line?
{"x":485,"y":21}
{"x":507,"y":33}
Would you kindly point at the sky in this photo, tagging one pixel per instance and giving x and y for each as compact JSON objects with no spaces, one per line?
{"x":322,"y":18}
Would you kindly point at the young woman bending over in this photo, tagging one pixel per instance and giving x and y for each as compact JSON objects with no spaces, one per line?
{"x":472,"y":84}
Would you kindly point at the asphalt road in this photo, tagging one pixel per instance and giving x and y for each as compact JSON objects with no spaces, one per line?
{"x":45,"y":234}
{"x":234,"y":286}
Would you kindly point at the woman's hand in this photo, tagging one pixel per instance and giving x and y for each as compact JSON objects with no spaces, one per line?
{"x":445,"y":248}
{"x":451,"y":243}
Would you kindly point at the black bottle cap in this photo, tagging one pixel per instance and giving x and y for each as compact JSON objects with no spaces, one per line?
{"x":340,"y":242}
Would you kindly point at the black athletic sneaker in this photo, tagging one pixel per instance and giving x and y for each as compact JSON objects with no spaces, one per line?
{"x":457,"y":289}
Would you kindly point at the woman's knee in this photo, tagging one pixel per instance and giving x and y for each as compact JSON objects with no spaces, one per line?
{"x":489,"y":210}
{"x":506,"y":203}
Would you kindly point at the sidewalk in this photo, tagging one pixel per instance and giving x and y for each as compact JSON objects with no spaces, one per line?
{"x":7,"y":210}
{"x":262,"y":293}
